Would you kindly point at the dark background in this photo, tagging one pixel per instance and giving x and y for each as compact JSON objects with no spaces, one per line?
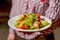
{"x":5,"y":6}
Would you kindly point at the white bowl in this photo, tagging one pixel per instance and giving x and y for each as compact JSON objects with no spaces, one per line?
{"x":12,"y":20}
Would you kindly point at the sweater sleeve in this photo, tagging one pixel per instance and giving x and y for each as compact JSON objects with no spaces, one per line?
{"x":52,"y":12}
{"x":11,"y":31}
{"x":58,"y":9}
{"x":12,"y":14}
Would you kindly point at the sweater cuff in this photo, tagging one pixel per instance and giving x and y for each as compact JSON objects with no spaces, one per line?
{"x":11,"y":30}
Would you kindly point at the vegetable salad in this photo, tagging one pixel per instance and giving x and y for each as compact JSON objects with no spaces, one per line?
{"x":30,"y":22}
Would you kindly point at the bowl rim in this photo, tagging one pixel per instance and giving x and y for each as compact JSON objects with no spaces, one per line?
{"x":14,"y":28}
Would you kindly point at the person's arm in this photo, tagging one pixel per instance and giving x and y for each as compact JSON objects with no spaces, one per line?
{"x":11,"y":34}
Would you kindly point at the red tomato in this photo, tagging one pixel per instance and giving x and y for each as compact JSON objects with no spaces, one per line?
{"x":24,"y":15}
{"x":39,"y":19}
{"x":38,"y":16}
{"x":38,"y":23}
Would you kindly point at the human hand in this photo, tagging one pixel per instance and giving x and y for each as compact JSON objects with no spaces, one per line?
{"x":11,"y":36}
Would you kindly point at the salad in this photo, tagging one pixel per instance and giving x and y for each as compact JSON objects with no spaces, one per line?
{"x":30,"y":22}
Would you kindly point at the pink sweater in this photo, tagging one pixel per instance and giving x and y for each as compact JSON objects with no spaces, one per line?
{"x":48,"y":8}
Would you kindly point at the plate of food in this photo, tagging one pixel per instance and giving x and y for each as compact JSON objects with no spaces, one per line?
{"x":29,"y":22}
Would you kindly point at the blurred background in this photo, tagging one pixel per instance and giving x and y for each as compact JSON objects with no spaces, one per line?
{"x":5,"y":6}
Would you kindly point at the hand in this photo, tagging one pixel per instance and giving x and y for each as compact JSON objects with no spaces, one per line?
{"x":11,"y":36}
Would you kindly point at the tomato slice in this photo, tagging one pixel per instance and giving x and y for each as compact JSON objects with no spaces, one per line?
{"x":38,"y":16}
{"x":24,"y":15}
